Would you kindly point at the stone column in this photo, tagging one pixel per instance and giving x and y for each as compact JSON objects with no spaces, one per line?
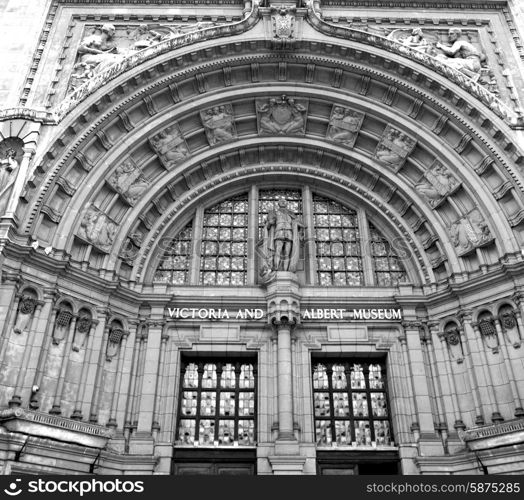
{"x":117,"y":383}
{"x":284,"y":314}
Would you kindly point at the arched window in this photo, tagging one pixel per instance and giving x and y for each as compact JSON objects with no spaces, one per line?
{"x":346,"y":249}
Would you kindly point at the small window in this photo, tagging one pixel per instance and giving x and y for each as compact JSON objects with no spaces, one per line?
{"x":350,"y":402}
{"x":217,"y":403}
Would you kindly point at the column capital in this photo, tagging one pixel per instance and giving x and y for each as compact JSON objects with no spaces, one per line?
{"x":465,"y":315}
{"x":283,"y":323}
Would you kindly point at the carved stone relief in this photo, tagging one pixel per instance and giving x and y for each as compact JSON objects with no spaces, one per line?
{"x":116,"y":333}
{"x":64,"y":316}
{"x":436,"y":184}
{"x":83,"y":325}
{"x":219,"y":124}
{"x":488,"y":331}
{"x":509,"y":325}
{"x":170,"y":146}
{"x":283,"y":21}
{"x":394,"y":147}
{"x":470,"y":232}
{"x":132,"y":247}
{"x":283,"y":115}
{"x":26,"y":309}
{"x":454,"y":343}
{"x":344,"y":125}
{"x":128,"y":181}
{"x":97,"y":229}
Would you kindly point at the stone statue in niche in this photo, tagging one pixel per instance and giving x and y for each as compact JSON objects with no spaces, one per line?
{"x":509,"y":325}
{"x":281,"y":241}
{"x":63,"y":320}
{"x":219,"y":124}
{"x":170,"y":146}
{"x":283,"y":21}
{"x":394,"y":147}
{"x":282,"y":115}
{"x":452,"y":336}
{"x":132,"y":247}
{"x":8,"y":170}
{"x":26,"y":309}
{"x":128,"y":181}
{"x":116,"y":333}
{"x":470,"y":232}
{"x":461,"y":54}
{"x":436,"y":184}
{"x":98,"y":229}
{"x":83,"y":326}
{"x":344,"y":125}
{"x":96,"y":53}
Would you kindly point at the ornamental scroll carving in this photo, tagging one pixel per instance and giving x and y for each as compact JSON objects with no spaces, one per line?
{"x":344,"y":125}
{"x":170,"y":146}
{"x":283,"y":115}
{"x":219,"y":124}
{"x":436,"y":184}
{"x":97,"y":229}
{"x":394,"y":147}
{"x":470,"y":232}
{"x":128,"y":181}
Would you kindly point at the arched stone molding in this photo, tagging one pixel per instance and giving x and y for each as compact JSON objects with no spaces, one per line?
{"x":382,"y":114}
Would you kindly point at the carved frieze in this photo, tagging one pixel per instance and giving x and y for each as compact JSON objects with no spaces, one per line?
{"x":170,"y":146}
{"x":97,"y":229}
{"x":470,"y":232}
{"x":128,"y":181}
{"x":436,"y":184}
{"x":219,"y":124}
{"x":344,"y":125}
{"x":394,"y":147}
{"x":281,"y":115}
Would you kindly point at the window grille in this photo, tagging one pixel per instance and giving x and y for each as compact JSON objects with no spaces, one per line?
{"x":387,"y":267}
{"x":174,"y":266}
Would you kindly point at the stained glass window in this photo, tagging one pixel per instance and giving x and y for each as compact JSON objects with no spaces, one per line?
{"x":339,"y":259}
{"x":217,"y":403}
{"x":350,"y":404}
{"x":387,"y":266}
{"x":174,"y":266}
{"x":224,"y":243}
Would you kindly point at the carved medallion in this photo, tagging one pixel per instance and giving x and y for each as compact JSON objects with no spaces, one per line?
{"x":470,"y":232}
{"x":344,"y":125}
{"x":170,"y":146}
{"x":128,"y":181}
{"x":394,"y":147}
{"x":436,"y":184}
{"x":219,"y":124}
{"x":97,"y":229}
{"x":283,"y":115}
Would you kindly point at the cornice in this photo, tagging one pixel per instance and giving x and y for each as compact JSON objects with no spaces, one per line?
{"x":418,"y":4}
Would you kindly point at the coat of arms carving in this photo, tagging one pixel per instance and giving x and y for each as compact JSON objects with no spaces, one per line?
{"x":394,"y":147}
{"x":344,"y":125}
{"x":470,"y":232}
{"x":283,"y":115}
{"x":170,"y":146}
{"x":436,"y":184}
{"x":283,"y":21}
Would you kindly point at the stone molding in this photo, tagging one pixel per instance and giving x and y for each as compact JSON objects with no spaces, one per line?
{"x":492,"y":435}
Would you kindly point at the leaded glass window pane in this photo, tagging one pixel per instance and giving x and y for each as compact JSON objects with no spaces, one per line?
{"x":351,"y":404}
{"x":387,"y":266}
{"x":338,"y":256}
{"x":217,"y":403}
{"x":223,"y":258}
{"x":174,"y":265}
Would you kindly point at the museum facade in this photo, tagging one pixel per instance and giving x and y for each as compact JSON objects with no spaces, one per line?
{"x":243,"y":237}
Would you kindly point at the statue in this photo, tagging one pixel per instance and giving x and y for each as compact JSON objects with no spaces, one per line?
{"x":219,"y":124}
{"x":8,"y":170}
{"x":344,"y":125}
{"x":170,"y":146}
{"x":128,"y":181}
{"x":96,"y":53}
{"x":281,"y":241}
{"x":281,"y":116}
{"x":461,"y":55}
{"x":416,"y":41}
{"x":436,"y":184}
